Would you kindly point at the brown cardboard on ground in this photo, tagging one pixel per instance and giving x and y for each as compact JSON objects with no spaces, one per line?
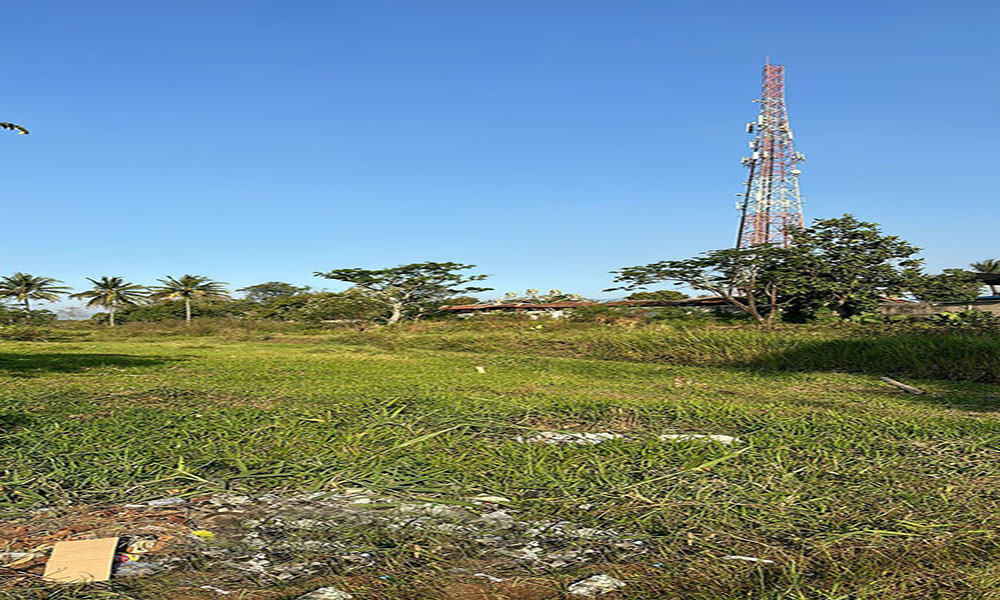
{"x":82,"y":560}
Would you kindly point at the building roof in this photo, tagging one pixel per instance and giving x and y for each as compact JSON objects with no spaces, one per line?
{"x":703,"y":301}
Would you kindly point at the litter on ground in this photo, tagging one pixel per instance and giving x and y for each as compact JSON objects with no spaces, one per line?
{"x":555,"y":437}
{"x":683,"y":437}
{"x":595,"y":585}
{"x":748,"y":559}
{"x":326,"y":593}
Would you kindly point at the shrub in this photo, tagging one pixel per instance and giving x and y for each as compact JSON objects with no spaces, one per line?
{"x":24,"y":333}
{"x":10,"y":315}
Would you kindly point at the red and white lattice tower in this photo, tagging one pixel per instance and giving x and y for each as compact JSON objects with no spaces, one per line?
{"x":771,"y":202}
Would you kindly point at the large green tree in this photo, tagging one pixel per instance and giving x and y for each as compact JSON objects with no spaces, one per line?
{"x":951,"y":285}
{"x":410,"y":289}
{"x":749,"y":279}
{"x":990,"y":265}
{"x":270,"y":290}
{"x":112,"y":293}
{"x":842,"y":264}
{"x":24,"y":287}
{"x":188,"y":288}
{"x":845,"y":265}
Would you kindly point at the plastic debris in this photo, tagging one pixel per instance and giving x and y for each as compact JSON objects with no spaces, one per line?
{"x":749,"y":559}
{"x":166,"y":502}
{"x":12,"y":558}
{"x":480,"y":369}
{"x":135,"y":569}
{"x":219,"y":591}
{"x":488,"y":577}
{"x":326,"y":593}
{"x":683,"y":437}
{"x":596,"y":585}
{"x":489,"y":499}
{"x":555,"y":437}
{"x":203,"y":534}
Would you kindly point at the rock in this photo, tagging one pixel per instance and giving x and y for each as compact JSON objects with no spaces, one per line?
{"x":498,"y":519}
{"x":326,"y":593}
{"x":683,"y":437}
{"x":595,"y":585}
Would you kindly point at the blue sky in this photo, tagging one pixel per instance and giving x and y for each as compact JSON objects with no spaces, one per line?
{"x":548,"y":142}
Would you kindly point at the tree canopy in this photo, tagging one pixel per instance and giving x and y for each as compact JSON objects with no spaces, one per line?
{"x":188,"y":288}
{"x":270,"y":290}
{"x":410,"y":289}
{"x":749,"y":279}
{"x":841,"y":264}
{"x":112,"y":293}
{"x":951,"y":285}
{"x":25,"y":287}
{"x":990,"y":265}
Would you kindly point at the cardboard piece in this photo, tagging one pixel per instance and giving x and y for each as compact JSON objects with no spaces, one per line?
{"x":81,"y":560}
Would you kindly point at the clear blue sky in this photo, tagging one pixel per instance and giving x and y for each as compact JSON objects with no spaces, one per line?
{"x":548,"y":142}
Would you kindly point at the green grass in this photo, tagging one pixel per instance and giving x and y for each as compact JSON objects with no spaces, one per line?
{"x":855,"y":489}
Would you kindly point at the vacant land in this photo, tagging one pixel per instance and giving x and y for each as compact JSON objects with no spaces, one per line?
{"x":852,"y":488}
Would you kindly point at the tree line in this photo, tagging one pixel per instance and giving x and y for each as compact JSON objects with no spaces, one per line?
{"x":839,"y":266}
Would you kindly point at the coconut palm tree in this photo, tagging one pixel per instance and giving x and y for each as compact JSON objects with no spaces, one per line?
{"x":110,"y":293}
{"x":25,"y":287}
{"x":990,"y":265}
{"x":189,"y":287}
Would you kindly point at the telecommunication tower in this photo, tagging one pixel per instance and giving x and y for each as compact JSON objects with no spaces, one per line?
{"x":771,"y":201}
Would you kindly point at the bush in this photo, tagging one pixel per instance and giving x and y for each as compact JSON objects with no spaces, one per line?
{"x":24,"y":333}
{"x":10,"y":315}
{"x":975,"y":320}
{"x":169,"y":310}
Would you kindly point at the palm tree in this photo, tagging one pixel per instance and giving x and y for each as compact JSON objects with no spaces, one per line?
{"x":189,"y":287}
{"x":25,"y":288}
{"x":990,"y":265}
{"x":14,"y":127}
{"x":110,"y":293}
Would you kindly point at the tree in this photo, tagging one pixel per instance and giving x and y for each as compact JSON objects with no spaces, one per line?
{"x":409,"y":288}
{"x":270,"y":290}
{"x":24,"y":288}
{"x":112,"y":293}
{"x":664,"y":295}
{"x":990,"y":265}
{"x":187,"y":288}
{"x":952,"y":285}
{"x":749,"y":279}
{"x":843,"y":264}
{"x":846,"y":265}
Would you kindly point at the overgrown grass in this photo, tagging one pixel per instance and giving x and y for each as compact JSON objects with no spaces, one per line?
{"x":951,"y":355}
{"x":855,"y":489}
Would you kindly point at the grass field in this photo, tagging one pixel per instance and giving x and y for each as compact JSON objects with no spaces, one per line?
{"x":853,"y":488}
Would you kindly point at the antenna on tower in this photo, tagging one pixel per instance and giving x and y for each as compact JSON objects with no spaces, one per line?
{"x":771,"y":203}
